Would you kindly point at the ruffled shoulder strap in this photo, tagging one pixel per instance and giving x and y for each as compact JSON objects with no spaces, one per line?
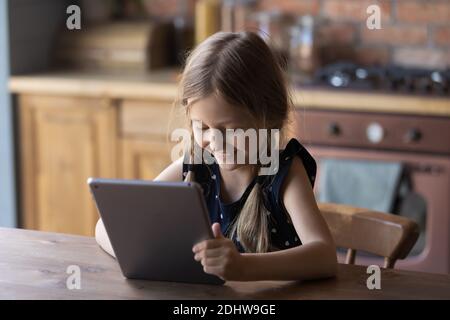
{"x":293,"y":148}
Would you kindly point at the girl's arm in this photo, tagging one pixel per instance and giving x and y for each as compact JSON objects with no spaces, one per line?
{"x":102,"y":238}
{"x":316,"y":257}
{"x":172,"y":173}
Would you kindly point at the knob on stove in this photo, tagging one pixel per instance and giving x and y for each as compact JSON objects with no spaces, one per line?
{"x":375,"y":132}
{"x":334,"y":129}
{"x":413,"y":135}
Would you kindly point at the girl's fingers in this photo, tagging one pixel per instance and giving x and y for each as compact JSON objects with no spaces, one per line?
{"x":207,"y":244}
{"x":209,"y":253}
{"x":217,"y":271}
{"x":212,"y":262}
{"x":213,"y":253}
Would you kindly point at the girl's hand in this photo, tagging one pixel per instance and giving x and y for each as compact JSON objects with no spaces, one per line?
{"x":219,"y":256}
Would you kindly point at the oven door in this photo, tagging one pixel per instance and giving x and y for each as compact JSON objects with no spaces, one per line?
{"x":429,"y":179}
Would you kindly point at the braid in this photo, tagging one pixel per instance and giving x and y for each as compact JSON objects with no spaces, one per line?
{"x":251,"y":225}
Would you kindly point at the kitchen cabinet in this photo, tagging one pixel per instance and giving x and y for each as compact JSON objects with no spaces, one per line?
{"x":66,"y":139}
{"x":63,"y":141}
{"x":145,"y":130}
{"x":142,"y":159}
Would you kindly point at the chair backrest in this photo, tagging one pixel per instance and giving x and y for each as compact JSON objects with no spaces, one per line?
{"x":383,"y":234}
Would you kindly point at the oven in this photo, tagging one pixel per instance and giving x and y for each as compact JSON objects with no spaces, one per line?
{"x":420,"y":144}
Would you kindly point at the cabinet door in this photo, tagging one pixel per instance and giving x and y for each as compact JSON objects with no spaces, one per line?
{"x":64,"y":141}
{"x":145,"y":130}
{"x":144,"y":159}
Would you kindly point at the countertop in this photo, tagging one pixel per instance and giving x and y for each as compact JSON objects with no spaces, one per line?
{"x":34,"y":264}
{"x":162,"y":85}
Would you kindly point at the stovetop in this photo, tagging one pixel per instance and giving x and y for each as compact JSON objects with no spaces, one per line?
{"x":391,"y":79}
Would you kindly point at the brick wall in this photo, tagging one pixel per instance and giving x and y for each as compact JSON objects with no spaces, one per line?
{"x":414,"y":32}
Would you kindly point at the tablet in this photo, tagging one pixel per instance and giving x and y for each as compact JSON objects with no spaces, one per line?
{"x":152,"y":227}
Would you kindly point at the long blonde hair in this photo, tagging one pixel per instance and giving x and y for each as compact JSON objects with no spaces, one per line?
{"x":242,"y":68}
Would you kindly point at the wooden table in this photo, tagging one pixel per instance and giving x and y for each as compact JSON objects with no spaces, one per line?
{"x":33,"y":265}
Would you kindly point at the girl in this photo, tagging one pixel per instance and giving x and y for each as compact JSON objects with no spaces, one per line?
{"x":266,"y":227}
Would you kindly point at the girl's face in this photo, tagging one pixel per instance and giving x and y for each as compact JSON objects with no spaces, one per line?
{"x":210,"y":118}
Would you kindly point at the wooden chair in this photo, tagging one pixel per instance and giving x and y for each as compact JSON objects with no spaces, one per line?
{"x":383,"y":234}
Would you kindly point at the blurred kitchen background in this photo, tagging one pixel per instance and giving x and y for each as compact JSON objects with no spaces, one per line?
{"x":371,"y":105}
